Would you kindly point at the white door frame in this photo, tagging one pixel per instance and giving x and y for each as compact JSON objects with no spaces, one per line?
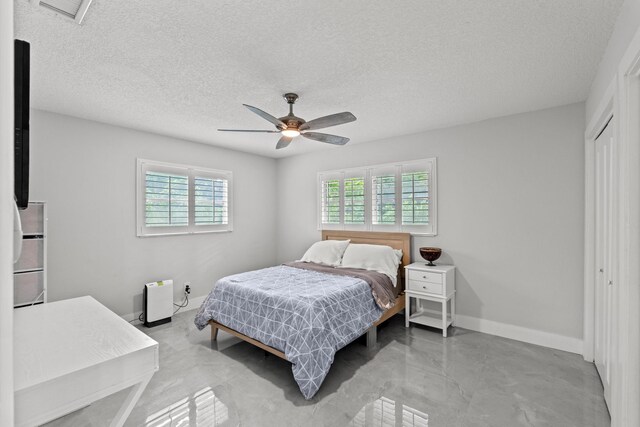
{"x":6,"y":215}
{"x":604,"y":113}
{"x":626,"y":391}
{"x":606,"y":222}
{"x":622,"y":101}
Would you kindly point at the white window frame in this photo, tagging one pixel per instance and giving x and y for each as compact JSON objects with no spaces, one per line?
{"x":397,"y":168}
{"x":144,"y":165}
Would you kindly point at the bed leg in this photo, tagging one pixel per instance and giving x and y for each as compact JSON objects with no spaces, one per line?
{"x":214,"y":333}
{"x":372,"y":336}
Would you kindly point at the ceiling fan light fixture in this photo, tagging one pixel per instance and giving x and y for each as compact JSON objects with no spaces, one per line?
{"x":291,"y":126}
{"x":290,"y":133}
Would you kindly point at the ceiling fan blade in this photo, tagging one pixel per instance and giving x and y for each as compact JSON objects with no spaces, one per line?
{"x":325,"y":137}
{"x":327,"y":121}
{"x":284,"y":142}
{"x":248,"y":130}
{"x":267,"y":116}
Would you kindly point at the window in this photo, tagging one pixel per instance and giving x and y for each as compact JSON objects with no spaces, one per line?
{"x":167,"y":199}
{"x":178,"y":199}
{"x":383,"y":188}
{"x":415,"y":198}
{"x":330,"y":201}
{"x":354,"y":200}
{"x":211,"y":195}
{"x":390,"y":197}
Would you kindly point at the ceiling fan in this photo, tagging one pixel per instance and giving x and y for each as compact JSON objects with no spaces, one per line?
{"x":291,"y":126}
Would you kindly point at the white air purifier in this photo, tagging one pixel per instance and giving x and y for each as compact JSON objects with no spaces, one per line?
{"x":158,"y":303}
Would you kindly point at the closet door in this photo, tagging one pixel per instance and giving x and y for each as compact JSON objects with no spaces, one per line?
{"x":604,"y":246}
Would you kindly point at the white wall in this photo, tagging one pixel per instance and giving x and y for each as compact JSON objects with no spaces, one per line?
{"x":86,"y":171}
{"x":6,"y":213}
{"x":510,"y":212}
{"x":627,"y":25}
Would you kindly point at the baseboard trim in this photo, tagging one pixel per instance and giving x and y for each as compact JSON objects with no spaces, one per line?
{"x":505,"y":330}
{"x":194,"y":303}
{"x":519,"y":333}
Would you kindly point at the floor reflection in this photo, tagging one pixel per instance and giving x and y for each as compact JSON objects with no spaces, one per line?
{"x":387,"y":413}
{"x":203,"y":408}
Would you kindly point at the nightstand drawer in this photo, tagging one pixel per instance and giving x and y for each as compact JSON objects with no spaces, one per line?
{"x":425,"y":276}
{"x":422,"y":286}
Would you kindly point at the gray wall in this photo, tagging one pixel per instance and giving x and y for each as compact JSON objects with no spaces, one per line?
{"x":86,"y":171}
{"x":510,"y":211}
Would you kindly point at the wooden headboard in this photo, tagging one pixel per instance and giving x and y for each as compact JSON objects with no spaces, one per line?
{"x":400,"y":241}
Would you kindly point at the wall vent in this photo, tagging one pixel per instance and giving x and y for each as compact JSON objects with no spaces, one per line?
{"x":74,"y":9}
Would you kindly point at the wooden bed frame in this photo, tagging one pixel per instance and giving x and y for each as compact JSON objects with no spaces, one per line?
{"x":400,"y":241}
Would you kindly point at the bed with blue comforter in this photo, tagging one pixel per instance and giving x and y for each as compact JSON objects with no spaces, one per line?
{"x":304,"y":310}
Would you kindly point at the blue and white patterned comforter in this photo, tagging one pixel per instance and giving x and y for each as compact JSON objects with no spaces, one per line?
{"x":306,"y":314}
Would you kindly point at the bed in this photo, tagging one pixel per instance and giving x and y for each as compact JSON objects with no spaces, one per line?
{"x":304,"y":313}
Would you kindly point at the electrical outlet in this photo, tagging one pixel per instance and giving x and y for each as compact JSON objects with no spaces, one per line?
{"x":187,"y":287}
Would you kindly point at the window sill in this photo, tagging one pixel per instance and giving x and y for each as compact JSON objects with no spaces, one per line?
{"x":413,"y":233}
{"x":183,"y":233}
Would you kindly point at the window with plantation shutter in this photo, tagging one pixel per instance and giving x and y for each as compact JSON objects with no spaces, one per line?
{"x":179,"y":199}
{"x":354,"y":205}
{"x":383,"y":189}
{"x":330,"y":200}
{"x":211,"y":197}
{"x":415,"y":198}
{"x":166,"y":199}
{"x":390,"y":197}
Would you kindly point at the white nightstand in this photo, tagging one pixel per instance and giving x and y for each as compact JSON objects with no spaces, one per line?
{"x":438,"y":284}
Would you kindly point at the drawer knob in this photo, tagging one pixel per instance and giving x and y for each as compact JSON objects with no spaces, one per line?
{"x":424,"y":277}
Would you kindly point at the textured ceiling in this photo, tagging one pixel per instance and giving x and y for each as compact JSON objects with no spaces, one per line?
{"x":183,"y":68}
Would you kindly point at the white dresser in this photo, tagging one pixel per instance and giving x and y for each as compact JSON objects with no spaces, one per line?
{"x":436,"y":284}
{"x":70,"y":353}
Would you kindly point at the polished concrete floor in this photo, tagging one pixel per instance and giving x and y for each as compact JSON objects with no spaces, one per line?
{"x":414,"y":377}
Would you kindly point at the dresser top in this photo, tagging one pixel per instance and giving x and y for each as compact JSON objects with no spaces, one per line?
{"x":422,"y":266}
{"x":55,"y":339}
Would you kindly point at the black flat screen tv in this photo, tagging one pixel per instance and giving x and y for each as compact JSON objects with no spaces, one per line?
{"x":21,"y":116}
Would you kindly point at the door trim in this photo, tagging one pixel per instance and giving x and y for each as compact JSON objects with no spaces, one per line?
{"x":626,"y":369}
{"x":6,"y":217}
{"x":605,"y":250}
{"x":604,"y":114}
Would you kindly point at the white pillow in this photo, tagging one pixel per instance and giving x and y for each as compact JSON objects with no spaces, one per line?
{"x":327,"y":252}
{"x":399,"y":254}
{"x":380,"y":258}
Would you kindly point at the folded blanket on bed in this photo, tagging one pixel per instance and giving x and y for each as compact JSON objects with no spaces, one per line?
{"x":306,"y":314}
{"x":381,"y":286}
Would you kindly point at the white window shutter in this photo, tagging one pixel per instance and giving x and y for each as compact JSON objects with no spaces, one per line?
{"x":390,"y":197}
{"x":354,"y":199}
{"x":418,"y":197}
{"x":384,"y":200}
{"x":212,"y":200}
{"x":330,"y":203}
{"x":180,"y":199}
{"x":166,"y":199}
{"x":415,"y":198}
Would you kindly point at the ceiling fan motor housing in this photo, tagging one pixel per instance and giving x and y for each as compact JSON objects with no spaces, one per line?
{"x":291,"y":121}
